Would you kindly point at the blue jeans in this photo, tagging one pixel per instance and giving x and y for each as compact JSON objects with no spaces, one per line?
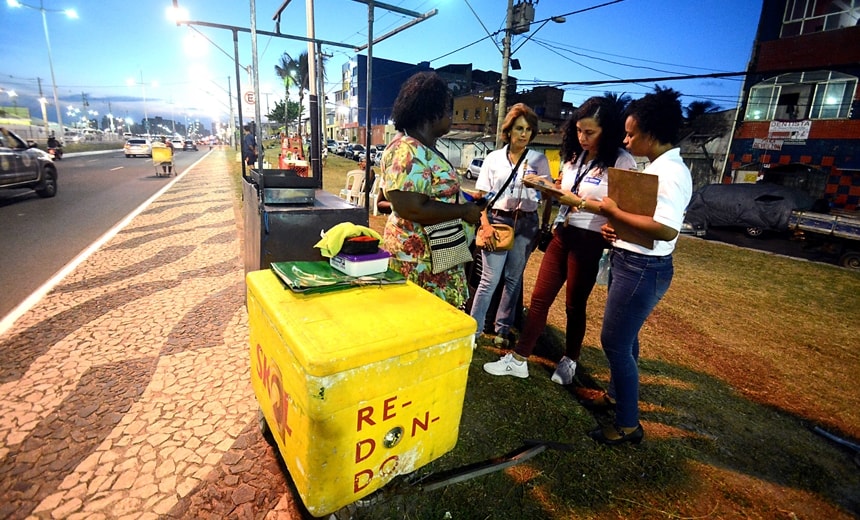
{"x":508,"y":264}
{"x":636,"y":283}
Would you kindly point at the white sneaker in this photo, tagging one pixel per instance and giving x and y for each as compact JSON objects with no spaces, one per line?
{"x":563,"y":374}
{"x":507,"y":366}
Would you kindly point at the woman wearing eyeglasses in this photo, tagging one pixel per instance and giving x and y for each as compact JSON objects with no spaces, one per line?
{"x":514,"y":204}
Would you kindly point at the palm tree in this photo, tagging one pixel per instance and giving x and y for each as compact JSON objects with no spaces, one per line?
{"x":619,"y":100}
{"x":288,"y":71}
{"x":699,"y":108}
{"x":303,"y":80}
{"x":703,"y":124}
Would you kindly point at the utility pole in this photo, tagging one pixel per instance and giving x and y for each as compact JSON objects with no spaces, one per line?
{"x":232,"y":116}
{"x":503,"y":87}
{"x":43,"y":102}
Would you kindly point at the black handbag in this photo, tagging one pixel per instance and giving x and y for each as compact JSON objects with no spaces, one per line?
{"x":545,"y":234}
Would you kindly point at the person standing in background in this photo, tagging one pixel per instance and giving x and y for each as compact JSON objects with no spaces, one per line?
{"x":249,"y":147}
{"x":516,"y":206}
{"x":639,"y":276}
{"x":167,"y":167}
{"x":590,"y":144}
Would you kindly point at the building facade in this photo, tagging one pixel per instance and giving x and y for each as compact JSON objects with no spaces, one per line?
{"x":351,"y":101}
{"x":473,"y":118}
{"x":799,"y":121}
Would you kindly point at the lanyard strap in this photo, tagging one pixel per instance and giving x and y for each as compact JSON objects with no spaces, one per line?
{"x":510,"y":178}
{"x":580,"y":174}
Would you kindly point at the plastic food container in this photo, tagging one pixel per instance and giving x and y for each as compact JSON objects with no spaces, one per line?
{"x":361,"y":265}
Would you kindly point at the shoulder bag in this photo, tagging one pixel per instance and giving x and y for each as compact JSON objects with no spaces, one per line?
{"x":448,"y":245}
{"x":502,"y":238}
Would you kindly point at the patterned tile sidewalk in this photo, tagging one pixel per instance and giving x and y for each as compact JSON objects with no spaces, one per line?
{"x":124,"y":393}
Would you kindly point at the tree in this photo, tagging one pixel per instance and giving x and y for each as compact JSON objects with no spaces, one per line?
{"x":701,"y":120}
{"x":703,"y":123}
{"x":698,"y":108}
{"x":277,"y":113}
{"x":296,"y":73}
{"x":619,"y":100}
{"x":304,"y":80}
{"x":288,"y":70}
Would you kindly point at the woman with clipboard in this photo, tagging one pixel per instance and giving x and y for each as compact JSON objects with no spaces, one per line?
{"x":639,"y":275}
{"x":591,"y":141}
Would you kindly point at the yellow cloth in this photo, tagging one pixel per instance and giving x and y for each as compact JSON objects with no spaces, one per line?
{"x":332,"y":241}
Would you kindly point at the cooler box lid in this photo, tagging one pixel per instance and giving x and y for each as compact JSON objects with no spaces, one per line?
{"x":338,"y":331}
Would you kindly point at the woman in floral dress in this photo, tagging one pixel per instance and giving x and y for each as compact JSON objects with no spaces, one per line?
{"x":423,"y":187}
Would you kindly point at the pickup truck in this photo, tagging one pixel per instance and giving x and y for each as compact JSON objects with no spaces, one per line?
{"x":23,"y":165}
{"x":836,"y":233}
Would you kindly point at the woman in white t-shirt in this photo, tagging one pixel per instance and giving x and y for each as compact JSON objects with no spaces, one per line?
{"x":514,"y":204}
{"x":590,"y":144}
{"x":640,"y":275}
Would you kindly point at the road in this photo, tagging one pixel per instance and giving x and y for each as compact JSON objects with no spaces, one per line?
{"x":781,"y":244}
{"x":39,"y":237}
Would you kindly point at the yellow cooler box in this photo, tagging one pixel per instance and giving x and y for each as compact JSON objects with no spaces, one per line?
{"x":357,"y":386}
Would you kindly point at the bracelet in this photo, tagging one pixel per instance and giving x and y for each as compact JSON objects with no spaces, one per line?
{"x":581,"y":206}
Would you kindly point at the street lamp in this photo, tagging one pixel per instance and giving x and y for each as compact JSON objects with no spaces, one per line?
{"x":131,"y":82}
{"x":71,"y":13}
{"x":43,"y":103}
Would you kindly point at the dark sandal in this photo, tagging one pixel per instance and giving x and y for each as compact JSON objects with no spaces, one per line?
{"x":613,"y":435}
{"x":602,"y":403}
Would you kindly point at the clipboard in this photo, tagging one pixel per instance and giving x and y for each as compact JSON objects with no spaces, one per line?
{"x":545,"y":187}
{"x":635,"y":192}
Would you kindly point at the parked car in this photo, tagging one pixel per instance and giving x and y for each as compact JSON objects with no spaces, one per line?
{"x":376,"y":153}
{"x":341,"y":148}
{"x":189,"y":145}
{"x":474,"y":168}
{"x":138,"y":146}
{"x":757,"y":208}
{"x":23,"y":165}
{"x":331,"y":145}
{"x":353,"y":151}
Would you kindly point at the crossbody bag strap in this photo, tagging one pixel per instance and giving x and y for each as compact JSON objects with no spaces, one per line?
{"x":507,"y":182}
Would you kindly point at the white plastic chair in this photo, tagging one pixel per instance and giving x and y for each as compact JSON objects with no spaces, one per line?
{"x":354,"y":186}
{"x":374,"y":194}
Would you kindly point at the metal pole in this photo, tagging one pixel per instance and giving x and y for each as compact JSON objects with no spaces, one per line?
{"x":43,"y":102}
{"x":258,"y":126}
{"x":232,"y":126}
{"x":238,"y":95}
{"x":368,"y":122}
{"x":321,"y":92}
{"x":145,"y":116}
{"x":503,"y":88}
{"x":51,"y":65}
{"x":313,"y":99}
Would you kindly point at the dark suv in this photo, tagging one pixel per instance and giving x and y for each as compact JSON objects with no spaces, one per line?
{"x":23,"y":165}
